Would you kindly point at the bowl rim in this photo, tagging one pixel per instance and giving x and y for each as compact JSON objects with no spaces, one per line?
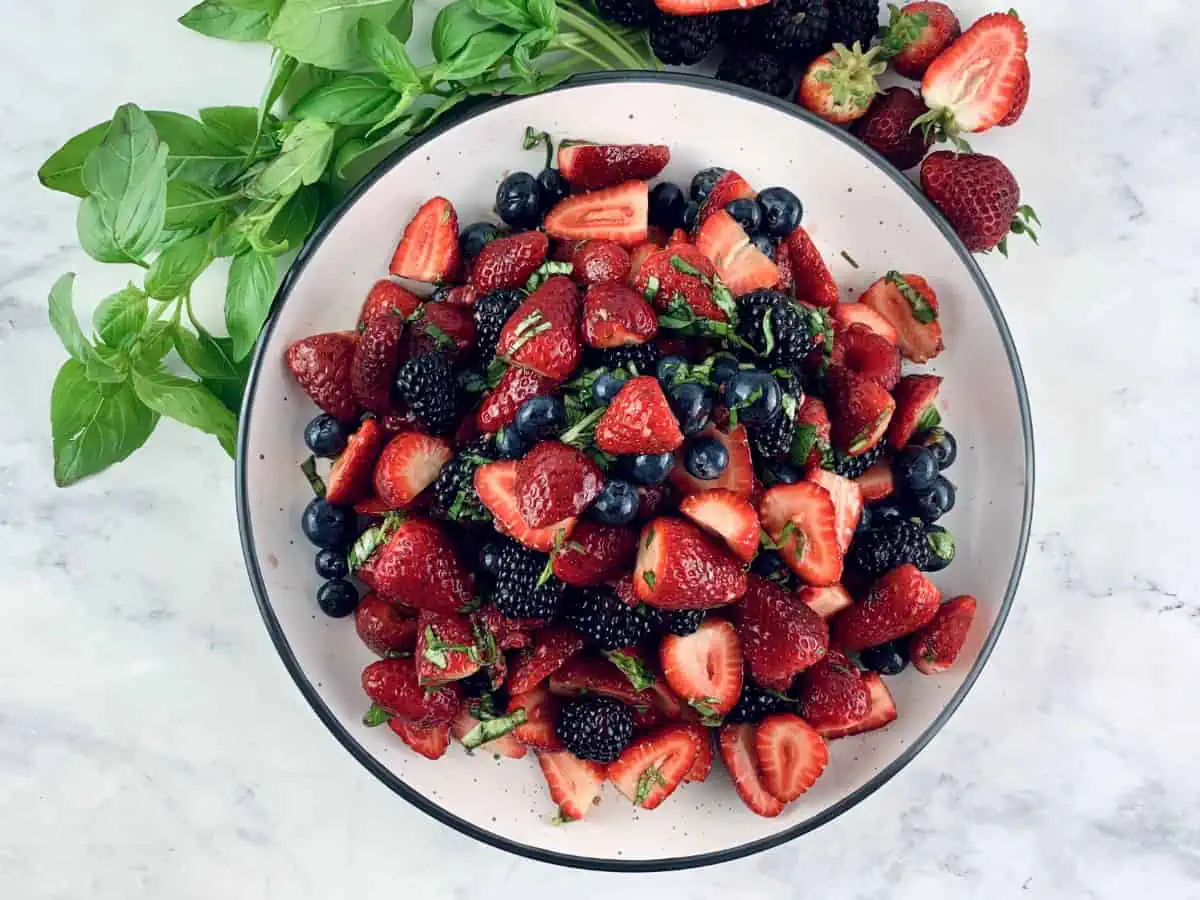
{"x":419,"y":800}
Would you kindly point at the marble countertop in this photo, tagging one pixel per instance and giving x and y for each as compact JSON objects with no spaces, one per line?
{"x":152,"y":746}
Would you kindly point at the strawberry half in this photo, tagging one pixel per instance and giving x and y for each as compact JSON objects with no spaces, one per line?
{"x":384,"y":627}
{"x":727,"y":515}
{"x":408,"y":464}
{"x":321,"y":365}
{"x":704,"y":668}
{"x":909,"y":304}
{"x":881,"y":710}
{"x":509,"y":634}
{"x":614,"y":315}
{"x":508,"y":262}
{"x":599,"y":262}
{"x":430,"y":742}
{"x":681,"y":567}
{"x":350,"y":477}
{"x":376,"y":357}
{"x":899,"y":603}
{"x":551,"y":649}
{"x":917,"y":34}
{"x":736,"y":744}
{"x":860,"y":410}
{"x":639,"y":255}
{"x":446,"y":648}
{"x":847,"y":314}
{"x":496,"y":484}
{"x":802,"y":520}
{"x":813,"y":282}
{"x":861,"y":350}
{"x":704,"y":7}
{"x":595,"y":554}
{"x":847,"y":503}
{"x":428,"y":250}
{"x":500,"y":404}
{"x":617,"y":213}
{"x":389,"y":298}
{"x":877,"y":482}
{"x":418,"y":565}
{"x":391,"y":684}
{"x":915,"y":396}
{"x":543,"y":333}
{"x":1020,"y":98}
{"x":555,"y":482}
{"x":704,"y":757}
{"x":741,"y":265}
{"x":588,"y":673}
{"x":541,"y":712}
{"x":812,"y":421}
{"x":738,"y":477}
{"x":439,"y":327}
{"x":680,"y":273}
{"x":780,"y":635}
{"x":653,"y":766}
{"x":935,"y":647}
{"x":833,"y":693}
{"x":574,"y":783}
{"x":826,"y":601}
{"x":495,"y":736}
{"x":791,"y":755}
{"x":729,"y":187}
{"x":592,"y":166}
{"x":639,"y":420}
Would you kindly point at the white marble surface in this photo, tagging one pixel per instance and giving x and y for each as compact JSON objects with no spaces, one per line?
{"x":151,"y":745}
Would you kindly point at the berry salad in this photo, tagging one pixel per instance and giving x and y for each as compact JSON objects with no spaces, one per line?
{"x":618,"y":481}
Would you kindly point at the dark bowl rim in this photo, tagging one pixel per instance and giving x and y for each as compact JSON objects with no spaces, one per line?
{"x":419,"y":800}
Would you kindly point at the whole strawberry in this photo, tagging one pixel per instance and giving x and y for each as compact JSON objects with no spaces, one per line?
{"x":979,"y":196}
{"x":838,"y":86}
{"x":887,"y":127}
{"x":916,"y":36}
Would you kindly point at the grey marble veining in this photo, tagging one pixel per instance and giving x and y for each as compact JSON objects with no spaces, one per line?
{"x":151,"y":745}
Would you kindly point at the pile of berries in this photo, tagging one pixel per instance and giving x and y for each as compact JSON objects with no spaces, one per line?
{"x":618,"y":488}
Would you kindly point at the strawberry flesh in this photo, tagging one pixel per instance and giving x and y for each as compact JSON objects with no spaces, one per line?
{"x":727,"y":515}
{"x":729,"y":187}
{"x":650,"y":768}
{"x":428,"y":250}
{"x":935,"y":647}
{"x":705,"y":667}
{"x":736,"y":744}
{"x":847,"y":503}
{"x":741,"y":265}
{"x":791,"y":755}
{"x":574,"y":783}
{"x":915,"y":396}
{"x":431,"y":742}
{"x":350,"y":476}
{"x":408,"y":464}
{"x":496,"y":484}
{"x":826,"y":601}
{"x":738,"y":476}
{"x":860,"y":410}
{"x":847,"y":314}
{"x":909,"y":304}
{"x":801,"y":518}
{"x":618,"y":213}
{"x":541,"y":712}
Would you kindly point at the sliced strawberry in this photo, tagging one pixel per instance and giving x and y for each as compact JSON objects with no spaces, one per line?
{"x":826,"y":601}
{"x":861,"y":350}
{"x":391,"y":684}
{"x":617,"y":213}
{"x":704,"y":7}
{"x":350,"y":477}
{"x":677,"y":237}
{"x":376,"y":357}
{"x":500,"y":404}
{"x":555,"y":482}
{"x":321,"y":365}
{"x":446,"y":648}
{"x":860,"y":409}
{"x":704,"y":758}
{"x":543,"y":333}
{"x":551,"y":649}
{"x":595,"y":554}
{"x":428,"y":249}
{"x":847,"y":503}
{"x":639,"y":255}
{"x":847,"y":314}
{"x":729,"y":187}
{"x":638,"y":420}
{"x":654,"y":765}
{"x":430,"y":742}
{"x":466,"y":729}
{"x":881,"y":710}
{"x":727,"y":515}
{"x":541,"y":712}
{"x":738,"y":476}
{"x":813,"y":282}
{"x":780,"y":635}
{"x":833,"y":693}
{"x":508,"y":262}
{"x":600,"y":262}
{"x":416,"y":563}
{"x":591,"y":166}
{"x":877,"y":482}
{"x":614,"y":315}
{"x":705,"y":668}
{"x":910,"y":305}
{"x":409,"y":464}
{"x":935,"y":647}
{"x":899,"y":603}
{"x":384,"y":627}
{"x":509,"y":634}
{"x":574,"y":783}
{"x":783,"y":262}
{"x":801,"y":518}
{"x":439,"y":327}
{"x":588,"y":673}
{"x":496,"y":484}
{"x":741,"y":265}
{"x":681,"y":567}
{"x":1020,"y":98}
{"x":812,"y":423}
{"x":791,"y":755}
{"x":680,"y":272}
{"x":915,"y":396}
{"x":390,"y":298}
{"x":736,"y":744}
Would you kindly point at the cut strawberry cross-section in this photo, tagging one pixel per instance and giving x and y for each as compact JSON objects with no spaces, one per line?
{"x":705,"y":668}
{"x":741,"y":265}
{"x":619,"y":213}
{"x":653,"y":766}
{"x":428,"y":250}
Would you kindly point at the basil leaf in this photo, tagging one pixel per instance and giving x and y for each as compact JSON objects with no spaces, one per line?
{"x":96,"y":235}
{"x":306,"y":151}
{"x":153,"y":344}
{"x":477,"y":56}
{"x":107,"y":365}
{"x":283,"y":67}
{"x":193,"y":205}
{"x":503,"y":12}
{"x":402,"y":22}
{"x":63,"y":171}
{"x":292,"y":225}
{"x":387,"y":54}
{"x":322,"y":32}
{"x":544,"y":13}
{"x":235,"y":126}
{"x":349,"y":100}
{"x":188,"y":402}
{"x":120,"y":316}
{"x":248,"y":298}
{"x":93,"y":425}
{"x":267,"y":6}
{"x":454,"y":26}
{"x":173,"y":272}
{"x":530,"y":46}
{"x":64,"y":321}
{"x":220,"y":20}
{"x":212,"y":359}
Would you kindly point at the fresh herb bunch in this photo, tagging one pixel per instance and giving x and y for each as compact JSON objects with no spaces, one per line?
{"x":171,"y":193}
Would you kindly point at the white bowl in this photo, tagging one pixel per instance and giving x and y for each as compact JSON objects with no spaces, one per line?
{"x":854,"y":202}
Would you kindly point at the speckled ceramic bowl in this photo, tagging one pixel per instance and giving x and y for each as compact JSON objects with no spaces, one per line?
{"x":854,"y":202}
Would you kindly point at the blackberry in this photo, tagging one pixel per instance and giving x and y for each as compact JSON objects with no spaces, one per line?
{"x":491,"y":313}
{"x":759,"y":70}
{"x":454,"y":488}
{"x":673,"y":621}
{"x":516,"y":592}
{"x":643,"y":357}
{"x":604,"y":619}
{"x":632,"y":13}
{"x":683,"y":40}
{"x":774,"y":439}
{"x":426,"y":384}
{"x":755,"y":704}
{"x":796,"y":29}
{"x":882,"y":549}
{"x":780,"y":331}
{"x":478,"y":684}
{"x":595,"y":728}
{"x":854,"y":466}
{"x":853,"y":20}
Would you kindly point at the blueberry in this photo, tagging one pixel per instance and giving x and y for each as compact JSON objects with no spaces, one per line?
{"x":519,"y":200}
{"x":477,"y":236}
{"x":755,"y":395}
{"x":883,"y":512}
{"x":724,"y":367}
{"x":915,"y":468}
{"x":691,"y":215}
{"x":747,"y":213}
{"x":540,"y":417}
{"x":767,"y":563}
{"x":510,"y":444}
{"x":933,"y":502}
{"x":553,"y":188}
{"x":331,"y":564}
{"x":327,"y":526}
{"x":764,"y":245}
{"x":705,"y":458}
{"x":941,"y":444}
{"x":702,"y":183}
{"x":776,"y":472}
{"x":666,"y":206}
{"x":692,"y":405}
{"x":489,"y":557}
{"x":648,"y":468}
{"x":886,"y":659}
{"x":669,"y":368}
{"x":617,"y":503}
{"x":941,"y":548}
{"x":325,"y":436}
{"x":607,"y":385}
{"x":337,"y":598}
{"x":781,"y":211}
